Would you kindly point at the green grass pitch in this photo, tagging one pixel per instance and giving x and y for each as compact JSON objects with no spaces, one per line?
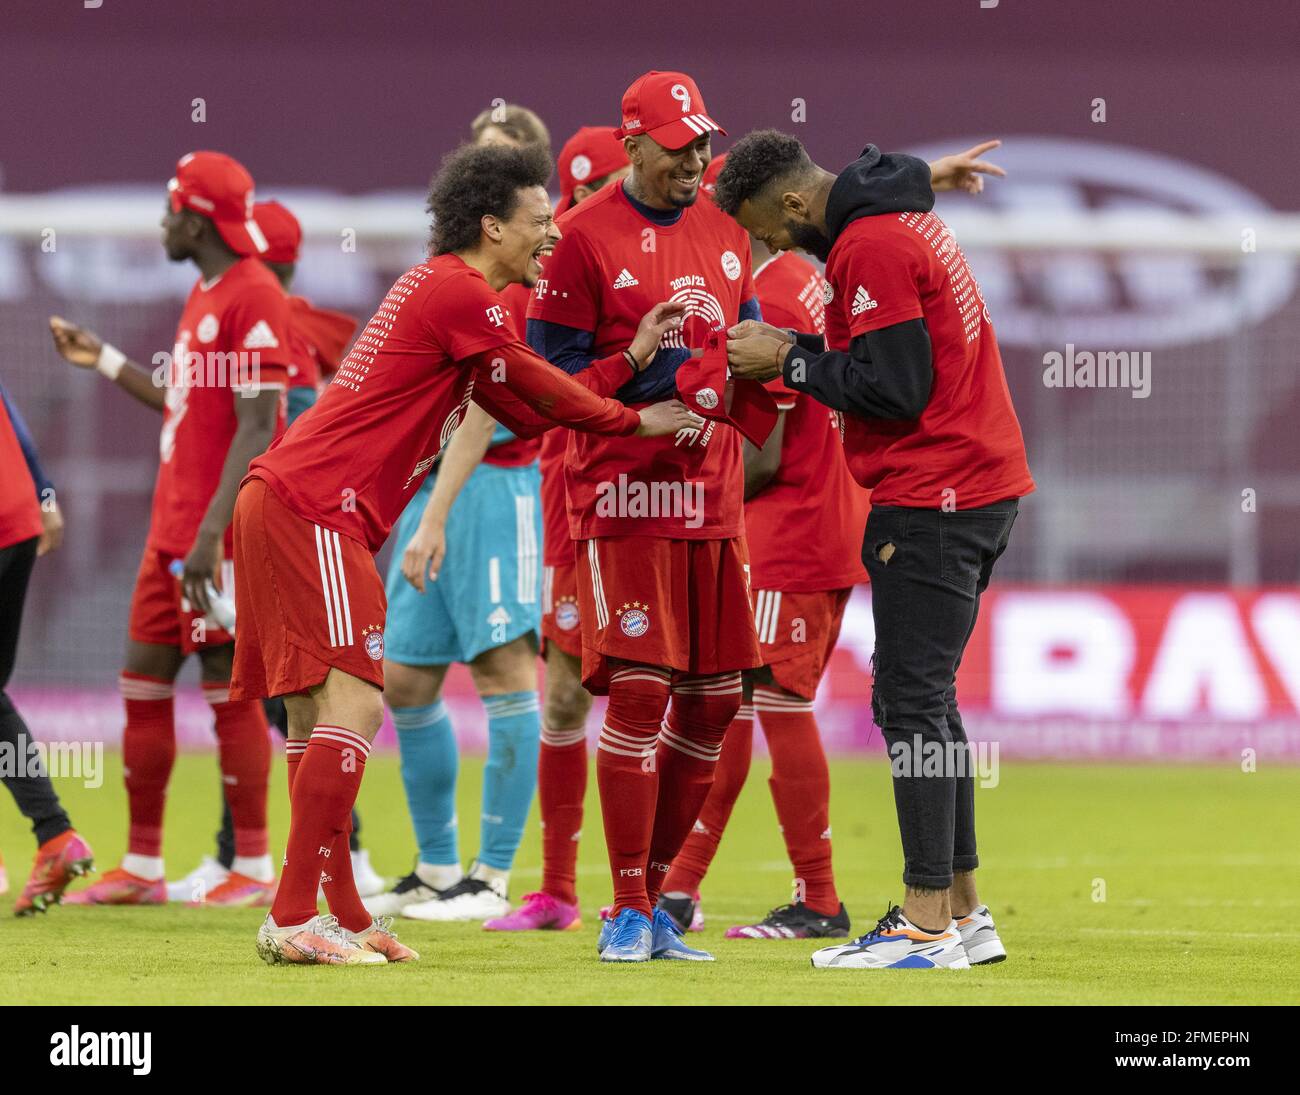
{"x":1193,"y":862}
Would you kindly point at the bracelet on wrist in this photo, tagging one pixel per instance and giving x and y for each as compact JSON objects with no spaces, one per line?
{"x":632,"y":362}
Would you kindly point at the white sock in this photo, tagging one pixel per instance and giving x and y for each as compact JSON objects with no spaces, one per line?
{"x":441,"y":876}
{"x":256,"y":867}
{"x":484,"y":873}
{"x":148,"y":867}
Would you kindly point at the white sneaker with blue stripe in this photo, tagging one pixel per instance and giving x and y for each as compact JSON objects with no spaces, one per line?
{"x":980,"y":938}
{"x":895,"y":943}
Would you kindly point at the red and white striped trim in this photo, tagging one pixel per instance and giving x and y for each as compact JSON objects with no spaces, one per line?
{"x":651,"y":673}
{"x":625,"y":744}
{"x":294,"y":747}
{"x":558,"y":739}
{"x":217,"y":693}
{"x":548,"y":586}
{"x":144,"y":688}
{"x":334,"y":585}
{"x":775,"y":699}
{"x":691,"y":748}
{"x":341,"y":735}
{"x":597,"y":587}
{"x":746,"y":712}
{"x":700,"y":123}
{"x":767,"y":613}
{"x":723,"y":684}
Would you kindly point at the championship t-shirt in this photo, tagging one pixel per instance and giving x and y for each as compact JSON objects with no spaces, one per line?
{"x":233,"y":337}
{"x":966,"y":449}
{"x":507,"y":449}
{"x":20,"y":509}
{"x":805,"y":526}
{"x":610,"y":268}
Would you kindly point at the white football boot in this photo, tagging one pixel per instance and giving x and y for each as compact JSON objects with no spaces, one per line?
{"x":469,"y":899}
{"x":205,"y":878}
{"x":411,"y":890}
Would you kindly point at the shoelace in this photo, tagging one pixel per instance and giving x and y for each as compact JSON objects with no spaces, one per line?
{"x":383,"y":924}
{"x":891,"y":919}
{"x":330,"y":928}
{"x":628,"y":931}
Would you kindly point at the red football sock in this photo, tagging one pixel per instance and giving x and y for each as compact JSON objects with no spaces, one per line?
{"x":148,"y":753}
{"x":692,"y":862}
{"x":801,"y":790}
{"x":561,"y":788}
{"x":324,"y":792}
{"x":690,"y":742}
{"x":628,"y":778}
{"x":340,"y":887}
{"x":244,"y":751}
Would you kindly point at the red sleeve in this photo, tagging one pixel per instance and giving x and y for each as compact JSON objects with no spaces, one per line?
{"x":878,"y":280}
{"x":568,"y":291}
{"x":465,"y":317}
{"x":257,"y":322}
{"x":528,"y":395}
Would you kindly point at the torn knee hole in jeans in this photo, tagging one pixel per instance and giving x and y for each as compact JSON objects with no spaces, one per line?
{"x":885,"y":551}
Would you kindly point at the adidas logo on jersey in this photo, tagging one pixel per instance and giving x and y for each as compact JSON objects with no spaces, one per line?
{"x":625,"y":280}
{"x":862,"y":301}
{"x":261,"y":337}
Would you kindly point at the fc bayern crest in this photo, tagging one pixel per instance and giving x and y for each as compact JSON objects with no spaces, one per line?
{"x":633,"y":620}
{"x":730,"y":265}
{"x":207,"y":328}
{"x":566,"y":615}
{"x":707,"y":398}
{"x":374,"y":639}
{"x":580,"y":168}
{"x":828,"y":293}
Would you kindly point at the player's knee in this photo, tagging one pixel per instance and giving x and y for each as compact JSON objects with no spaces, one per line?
{"x":567,"y":703}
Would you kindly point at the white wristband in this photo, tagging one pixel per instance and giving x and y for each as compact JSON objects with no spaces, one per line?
{"x":111,"y":360}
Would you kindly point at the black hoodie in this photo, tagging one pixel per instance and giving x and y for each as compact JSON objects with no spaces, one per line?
{"x":886,"y":373}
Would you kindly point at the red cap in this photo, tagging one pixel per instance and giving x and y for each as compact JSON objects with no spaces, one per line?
{"x":591,"y":153}
{"x":220,"y":188}
{"x":669,"y":107}
{"x":706,"y":388}
{"x":282,"y":231}
{"x":709,"y":183}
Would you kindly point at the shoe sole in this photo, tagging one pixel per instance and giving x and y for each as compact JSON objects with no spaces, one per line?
{"x":962,"y":963}
{"x":986,"y":954}
{"x":269,"y":952}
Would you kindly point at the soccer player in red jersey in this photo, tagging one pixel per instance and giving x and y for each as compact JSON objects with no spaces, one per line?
{"x":663,"y":587}
{"x":30,"y":526}
{"x":316,"y":507}
{"x":798,"y":479}
{"x":220,"y":400}
{"x":318,"y":338}
{"x":929,"y":426}
{"x":591,"y":159}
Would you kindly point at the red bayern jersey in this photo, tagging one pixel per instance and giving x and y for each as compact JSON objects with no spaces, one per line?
{"x":20,"y":509}
{"x":518,"y":450}
{"x":966,"y":449}
{"x":610,"y":268}
{"x":319,"y":337}
{"x":557,"y":546}
{"x":805,"y":526}
{"x":355,"y":461}
{"x":233,"y":336}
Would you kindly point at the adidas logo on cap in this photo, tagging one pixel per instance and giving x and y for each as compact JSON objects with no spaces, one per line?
{"x":625,"y":280}
{"x":862,"y":301}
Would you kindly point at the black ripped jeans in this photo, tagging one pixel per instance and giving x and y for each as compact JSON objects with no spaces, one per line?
{"x":928,"y":568}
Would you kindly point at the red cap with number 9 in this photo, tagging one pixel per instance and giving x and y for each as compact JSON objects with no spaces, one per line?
{"x":669,"y":107}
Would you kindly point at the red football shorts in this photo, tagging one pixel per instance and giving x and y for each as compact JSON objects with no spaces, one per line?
{"x":309,"y":600}
{"x":160,"y":613}
{"x":797,"y":633}
{"x":561,"y":619}
{"x":683,"y":604}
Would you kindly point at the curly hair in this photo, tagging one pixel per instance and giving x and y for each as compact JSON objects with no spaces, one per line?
{"x":757,"y":159}
{"x":476,"y":181}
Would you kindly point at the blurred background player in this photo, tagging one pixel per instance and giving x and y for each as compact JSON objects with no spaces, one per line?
{"x":474,"y":529}
{"x":220,"y":401}
{"x":591,"y":159}
{"x":797,"y":480}
{"x":320,"y":337}
{"x":30,"y":526}
{"x":313,"y":625}
{"x":664,"y":598}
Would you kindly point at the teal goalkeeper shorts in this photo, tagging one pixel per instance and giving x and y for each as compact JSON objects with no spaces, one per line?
{"x":487,"y":592}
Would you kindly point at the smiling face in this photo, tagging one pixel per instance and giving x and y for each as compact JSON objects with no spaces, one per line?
{"x":782,"y":221}
{"x":528,"y":234}
{"x":668,"y":178}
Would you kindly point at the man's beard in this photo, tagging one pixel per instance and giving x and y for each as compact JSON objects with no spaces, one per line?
{"x":807,"y":238}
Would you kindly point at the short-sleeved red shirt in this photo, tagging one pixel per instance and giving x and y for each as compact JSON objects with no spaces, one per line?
{"x":805,"y":526}
{"x":966,"y":449}
{"x":353,"y":463}
{"x":610,"y":268}
{"x":233,"y":336}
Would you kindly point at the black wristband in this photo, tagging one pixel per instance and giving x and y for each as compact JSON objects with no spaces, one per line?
{"x":632,"y":362}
